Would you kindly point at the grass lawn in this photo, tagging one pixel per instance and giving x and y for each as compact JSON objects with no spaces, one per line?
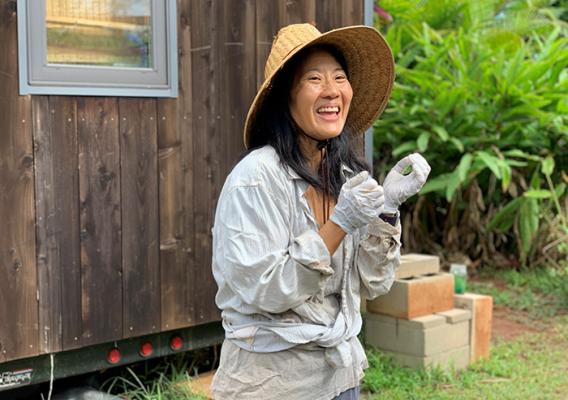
{"x":528,"y":357}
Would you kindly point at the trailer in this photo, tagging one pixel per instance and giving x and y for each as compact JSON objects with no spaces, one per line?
{"x":107,"y":201}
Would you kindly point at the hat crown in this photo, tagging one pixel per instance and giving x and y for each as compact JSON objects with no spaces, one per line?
{"x":287,"y":39}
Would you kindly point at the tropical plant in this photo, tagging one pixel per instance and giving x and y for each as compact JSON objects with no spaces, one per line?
{"x":482,"y":92}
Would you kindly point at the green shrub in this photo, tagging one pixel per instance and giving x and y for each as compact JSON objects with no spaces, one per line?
{"x":482,"y":92}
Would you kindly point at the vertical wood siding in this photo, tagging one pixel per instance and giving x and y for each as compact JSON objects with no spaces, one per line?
{"x":18,"y":268}
{"x":115,"y":240}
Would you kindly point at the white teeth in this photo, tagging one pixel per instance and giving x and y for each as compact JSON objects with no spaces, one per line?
{"x":328,"y":109}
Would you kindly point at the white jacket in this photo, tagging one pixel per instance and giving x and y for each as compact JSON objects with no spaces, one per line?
{"x":273,"y":268}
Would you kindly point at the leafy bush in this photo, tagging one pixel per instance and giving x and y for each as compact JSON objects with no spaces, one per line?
{"x":482,"y":92}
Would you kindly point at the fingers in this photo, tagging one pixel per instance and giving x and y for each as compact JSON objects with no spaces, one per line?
{"x":402,"y":164}
{"x":357,"y":179}
{"x":420,"y":167}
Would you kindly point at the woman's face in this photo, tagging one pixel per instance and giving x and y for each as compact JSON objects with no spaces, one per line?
{"x":320,"y":96}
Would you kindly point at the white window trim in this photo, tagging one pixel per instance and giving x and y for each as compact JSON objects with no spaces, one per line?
{"x":38,"y":78}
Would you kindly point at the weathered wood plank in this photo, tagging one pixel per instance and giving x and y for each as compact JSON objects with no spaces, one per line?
{"x":48,"y":274}
{"x":207,"y":179}
{"x":175,"y":144}
{"x":139,"y":188}
{"x":297,"y":11}
{"x":18,"y":286}
{"x":352,"y":12}
{"x":267,"y":24}
{"x":238,"y":71}
{"x":66,"y":194}
{"x":99,"y":192}
{"x":328,"y":14}
{"x":57,"y":222}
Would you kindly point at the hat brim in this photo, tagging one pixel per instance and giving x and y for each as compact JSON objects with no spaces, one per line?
{"x":370,"y":65}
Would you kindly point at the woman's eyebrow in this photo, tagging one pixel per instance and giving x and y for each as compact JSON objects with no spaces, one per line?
{"x":316,"y":69}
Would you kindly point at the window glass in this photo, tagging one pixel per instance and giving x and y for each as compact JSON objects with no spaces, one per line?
{"x":114,"y":33}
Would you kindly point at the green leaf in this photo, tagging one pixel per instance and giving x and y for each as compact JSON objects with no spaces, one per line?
{"x":547,"y":165}
{"x":521,"y":154}
{"x":506,"y":171}
{"x":453,"y":184}
{"x":560,"y":189}
{"x":503,"y":220}
{"x":528,"y":223}
{"x":437,"y":184}
{"x":404,"y":148}
{"x":422,"y":141}
{"x":492,"y":162}
{"x":458,"y":144}
{"x":463,"y":167}
{"x":441,"y":132}
{"x":538,"y":194}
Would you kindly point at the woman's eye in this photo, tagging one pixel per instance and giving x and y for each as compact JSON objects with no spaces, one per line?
{"x":314,"y":78}
{"x":340,"y":77}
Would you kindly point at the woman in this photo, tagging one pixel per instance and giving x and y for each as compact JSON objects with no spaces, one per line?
{"x":301,"y":230}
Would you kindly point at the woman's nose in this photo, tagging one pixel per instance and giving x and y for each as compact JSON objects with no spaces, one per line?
{"x":330,"y":89}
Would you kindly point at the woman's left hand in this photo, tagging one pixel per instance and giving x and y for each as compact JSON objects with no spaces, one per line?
{"x":398,"y":187}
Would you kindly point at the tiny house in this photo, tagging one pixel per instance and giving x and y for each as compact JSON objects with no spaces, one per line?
{"x":119,"y":120}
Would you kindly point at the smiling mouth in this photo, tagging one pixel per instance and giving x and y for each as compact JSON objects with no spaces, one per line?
{"x":326,"y":111}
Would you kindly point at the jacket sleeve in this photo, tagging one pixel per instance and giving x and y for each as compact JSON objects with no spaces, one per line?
{"x":260,"y":261}
{"x":379,"y":257}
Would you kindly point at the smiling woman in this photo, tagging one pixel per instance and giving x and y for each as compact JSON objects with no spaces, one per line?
{"x":300,"y":235}
{"x":321,"y":95}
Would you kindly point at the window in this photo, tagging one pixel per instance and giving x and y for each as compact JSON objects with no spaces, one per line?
{"x":98,"y":47}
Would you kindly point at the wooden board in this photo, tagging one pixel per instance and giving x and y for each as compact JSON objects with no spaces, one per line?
{"x":237,"y":53}
{"x":57,"y":222}
{"x":66,"y":174}
{"x":100,"y":215}
{"x":297,"y":11}
{"x":207,"y":141}
{"x":18,"y":283}
{"x":175,"y":144}
{"x":140,"y":238}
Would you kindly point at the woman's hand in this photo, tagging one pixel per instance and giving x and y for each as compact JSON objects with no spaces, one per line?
{"x":360,"y":201}
{"x":399,"y":187}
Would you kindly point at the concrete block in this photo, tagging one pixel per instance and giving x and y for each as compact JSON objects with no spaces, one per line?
{"x":417,"y":264}
{"x":481,"y":308}
{"x":425,"y":322}
{"x":421,"y":337}
{"x":414,"y":297}
{"x":455,"y":315}
{"x":455,"y":358}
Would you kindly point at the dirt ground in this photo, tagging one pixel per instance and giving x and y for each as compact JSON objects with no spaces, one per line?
{"x":509,"y":324}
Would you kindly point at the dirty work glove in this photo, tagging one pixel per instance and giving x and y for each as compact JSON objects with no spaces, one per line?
{"x":399,"y":187}
{"x":360,"y":201}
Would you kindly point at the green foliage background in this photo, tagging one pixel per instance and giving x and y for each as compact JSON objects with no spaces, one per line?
{"x":482,"y":92}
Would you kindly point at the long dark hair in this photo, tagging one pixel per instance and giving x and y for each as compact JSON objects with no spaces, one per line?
{"x":275,"y":126}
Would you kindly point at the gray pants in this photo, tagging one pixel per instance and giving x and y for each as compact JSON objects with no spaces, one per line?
{"x":350,"y":394}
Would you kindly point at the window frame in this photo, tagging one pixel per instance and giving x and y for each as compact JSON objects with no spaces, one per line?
{"x":38,"y":77}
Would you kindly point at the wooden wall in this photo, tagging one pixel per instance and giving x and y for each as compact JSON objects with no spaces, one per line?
{"x":107,"y":203}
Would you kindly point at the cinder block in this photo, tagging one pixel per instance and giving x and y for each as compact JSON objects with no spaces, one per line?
{"x":455,"y":315}
{"x":481,"y":308}
{"x":414,"y":297}
{"x":417,"y":264}
{"x":455,"y":358}
{"x":420,"y":337}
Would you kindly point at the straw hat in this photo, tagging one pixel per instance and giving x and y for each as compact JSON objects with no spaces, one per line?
{"x":370,"y":66}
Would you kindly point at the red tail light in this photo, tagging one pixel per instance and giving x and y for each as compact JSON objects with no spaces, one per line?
{"x":114,"y":356}
{"x":146,"y":349}
{"x":176,"y":343}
